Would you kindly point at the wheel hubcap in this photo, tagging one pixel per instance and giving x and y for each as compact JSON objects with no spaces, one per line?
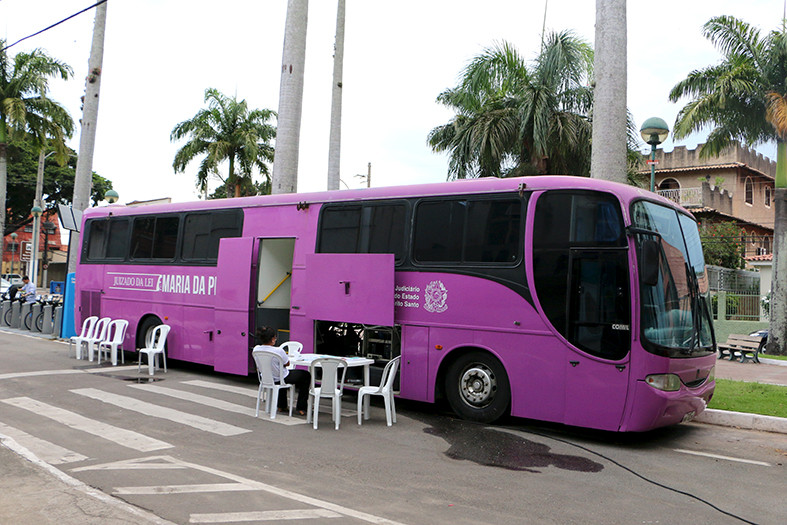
{"x":478,"y":385}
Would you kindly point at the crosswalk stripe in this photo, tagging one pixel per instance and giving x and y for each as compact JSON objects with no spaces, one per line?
{"x":47,"y":451}
{"x":149,"y":409}
{"x":269,"y":515}
{"x":282,"y":419}
{"x":221,"y":386}
{"x":121,"y":436}
{"x":196,"y":398}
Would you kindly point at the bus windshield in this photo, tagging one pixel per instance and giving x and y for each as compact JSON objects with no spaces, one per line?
{"x":675,"y":309}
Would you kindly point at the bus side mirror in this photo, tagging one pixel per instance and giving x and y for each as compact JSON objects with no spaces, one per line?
{"x":649,"y":262}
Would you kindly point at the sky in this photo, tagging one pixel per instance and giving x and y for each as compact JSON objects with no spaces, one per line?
{"x":161,"y":55}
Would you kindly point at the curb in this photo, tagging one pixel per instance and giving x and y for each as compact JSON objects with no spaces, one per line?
{"x":743,"y":420}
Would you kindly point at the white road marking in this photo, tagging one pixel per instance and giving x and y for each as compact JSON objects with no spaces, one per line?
{"x":149,"y":409}
{"x":727,"y":458}
{"x":270,"y":515}
{"x":49,"y":452}
{"x":121,"y":436}
{"x":196,"y":398}
{"x":184,"y":489}
{"x":158,"y":462}
{"x":251,"y":392}
{"x":282,"y":419}
{"x":67,"y":371}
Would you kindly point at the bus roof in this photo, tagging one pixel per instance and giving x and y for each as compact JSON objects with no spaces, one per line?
{"x":457,"y":187}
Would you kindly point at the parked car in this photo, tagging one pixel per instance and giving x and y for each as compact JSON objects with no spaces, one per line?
{"x":763,"y":335}
{"x":4,"y":285}
{"x":13,"y":278}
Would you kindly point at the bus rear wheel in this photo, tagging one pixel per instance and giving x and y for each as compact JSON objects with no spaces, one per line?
{"x":145,"y":331}
{"x":477,"y":387}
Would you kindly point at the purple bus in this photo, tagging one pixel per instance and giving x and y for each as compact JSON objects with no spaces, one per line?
{"x":561,"y":299}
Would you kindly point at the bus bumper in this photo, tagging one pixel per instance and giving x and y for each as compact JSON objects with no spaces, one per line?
{"x":652,"y":408}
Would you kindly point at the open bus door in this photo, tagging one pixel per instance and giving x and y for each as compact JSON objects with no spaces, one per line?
{"x":350,"y":288}
{"x":233,"y":306}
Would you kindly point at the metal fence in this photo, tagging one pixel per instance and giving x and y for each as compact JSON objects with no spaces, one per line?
{"x":735,"y":294}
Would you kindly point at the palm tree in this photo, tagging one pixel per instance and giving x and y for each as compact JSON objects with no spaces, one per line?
{"x":25,"y":109}
{"x":513,"y":118}
{"x":293,"y":61}
{"x":743,"y":99}
{"x":226,"y":131}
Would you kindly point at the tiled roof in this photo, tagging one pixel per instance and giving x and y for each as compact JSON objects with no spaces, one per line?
{"x":706,"y":168}
{"x":756,"y":258}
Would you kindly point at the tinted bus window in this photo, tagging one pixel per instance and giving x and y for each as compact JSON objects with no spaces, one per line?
{"x":202,"y":232}
{"x":117,"y":241}
{"x":107,"y":239}
{"x":340,"y":229}
{"x":493,"y":231}
{"x":96,"y":240}
{"x":584,"y":292}
{"x":468,"y":231}
{"x":387,"y":230}
{"x":439,"y":229}
{"x":154,"y":237}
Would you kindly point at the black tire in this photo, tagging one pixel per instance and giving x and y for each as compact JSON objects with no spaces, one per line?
{"x":28,"y":320}
{"x":40,"y":322}
{"x":7,"y":314}
{"x":477,"y":387}
{"x":147,"y":326}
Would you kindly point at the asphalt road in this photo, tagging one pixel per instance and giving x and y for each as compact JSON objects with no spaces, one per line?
{"x":188,"y":449}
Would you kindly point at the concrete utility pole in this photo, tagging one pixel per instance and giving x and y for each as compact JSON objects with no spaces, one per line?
{"x":288,"y":129}
{"x":608,"y":156}
{"x":87,"y":139}
{"x":335,"y":140}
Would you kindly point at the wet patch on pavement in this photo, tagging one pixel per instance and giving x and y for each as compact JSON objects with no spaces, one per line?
{"x":497,"y":448}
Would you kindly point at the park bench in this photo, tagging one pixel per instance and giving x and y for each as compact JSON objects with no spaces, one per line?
{"x":745,"y":345}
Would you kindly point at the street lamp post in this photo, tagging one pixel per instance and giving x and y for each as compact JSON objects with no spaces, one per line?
{"x":654,"y":131}
{"x":14,"y":249}
{"x":48,"y":227}
{"x":36,"y":211}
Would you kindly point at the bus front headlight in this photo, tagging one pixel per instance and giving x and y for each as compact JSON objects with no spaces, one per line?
{"x":665,"y":382}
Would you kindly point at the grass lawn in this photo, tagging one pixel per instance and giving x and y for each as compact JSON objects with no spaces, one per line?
{"x":752,"y":398}
{"x":770,"y":356}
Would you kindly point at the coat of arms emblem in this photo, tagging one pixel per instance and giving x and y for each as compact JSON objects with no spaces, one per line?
{"x":435,"y":297}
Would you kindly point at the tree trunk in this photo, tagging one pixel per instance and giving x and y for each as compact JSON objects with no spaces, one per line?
{"x":285,"y":161}
{"x":777,"y":332}
{"x":335,"y":140}
{"x":84,"y":173}
{"x":608,"y":156}
{"x":3,"y":184}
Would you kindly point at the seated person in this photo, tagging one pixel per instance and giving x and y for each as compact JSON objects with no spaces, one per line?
{"x":300,"y":378}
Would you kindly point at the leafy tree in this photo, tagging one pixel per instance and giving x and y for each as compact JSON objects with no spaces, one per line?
{"x":58,"y":181}
{"x":742,"y":98}
{"x":248,"y":188}
{"x":515,"y":118}
{"x":721,"y":244}
{"x":226,"y":131}
{"x":25,"y":109}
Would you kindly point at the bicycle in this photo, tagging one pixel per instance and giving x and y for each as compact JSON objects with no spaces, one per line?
{"x":7,"y":314}
{"x":39,"y":320}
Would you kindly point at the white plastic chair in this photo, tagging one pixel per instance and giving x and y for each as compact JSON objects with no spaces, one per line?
{"x":385,"y":389}
{"x":265,"y":361}
{"x":99,"y":335}
{"x":293,"y":350}
{"x":88,"y":326}
{"x":330,"y":386}
{"x":116,"y":332}
{"x":154,"y":347}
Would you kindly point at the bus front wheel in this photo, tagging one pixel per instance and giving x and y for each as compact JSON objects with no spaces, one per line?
{"x":477,"y":387}
{"x":145,"y":331}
